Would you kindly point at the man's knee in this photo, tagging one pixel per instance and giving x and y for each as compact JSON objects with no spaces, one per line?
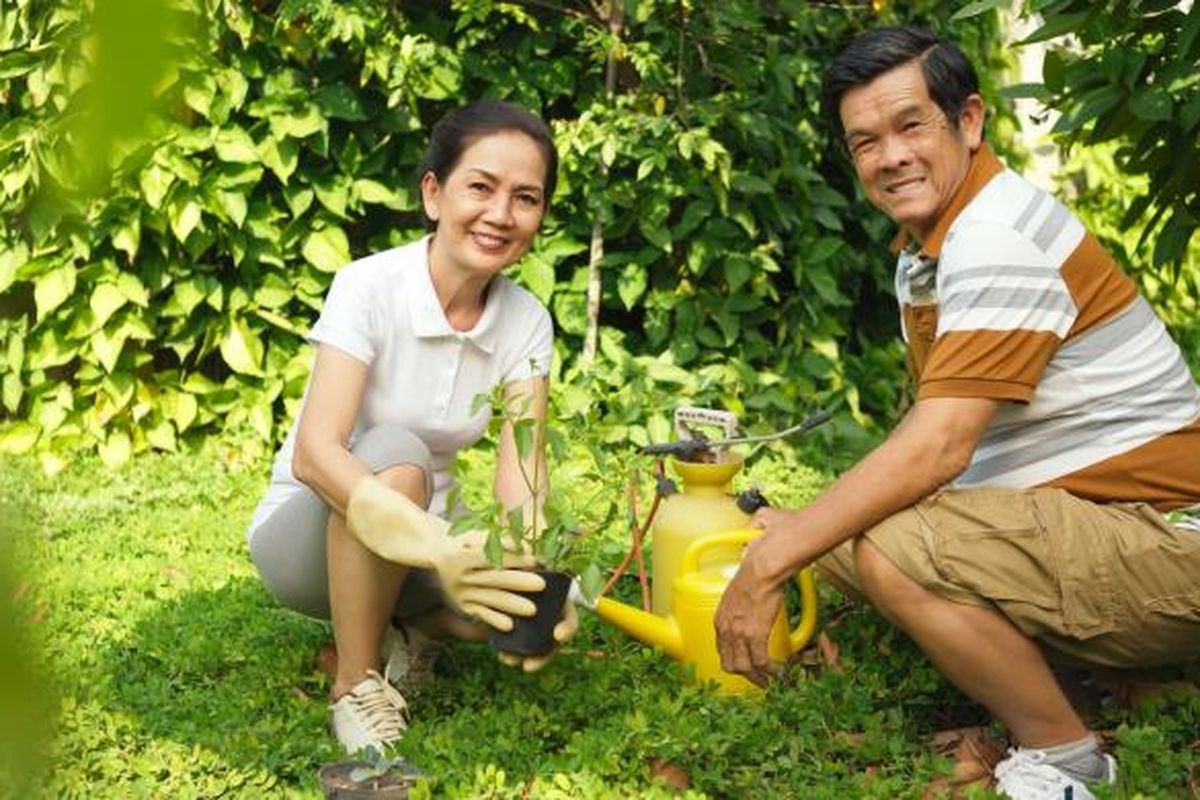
{"x":876,"y":574}
{"x":892,"y":590}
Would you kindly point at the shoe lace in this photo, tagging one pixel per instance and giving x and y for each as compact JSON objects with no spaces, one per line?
{"x":381,"y":709}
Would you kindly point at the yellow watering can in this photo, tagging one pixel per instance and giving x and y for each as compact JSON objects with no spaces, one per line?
{"x":686,"y":632}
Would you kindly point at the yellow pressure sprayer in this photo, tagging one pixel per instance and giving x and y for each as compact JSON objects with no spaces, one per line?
{"x":698,"y":537}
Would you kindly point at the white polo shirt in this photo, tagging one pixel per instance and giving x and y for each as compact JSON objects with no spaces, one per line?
{"x":383,"y":311}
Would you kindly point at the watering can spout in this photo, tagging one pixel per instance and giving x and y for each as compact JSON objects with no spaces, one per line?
{"x":656,"y":631}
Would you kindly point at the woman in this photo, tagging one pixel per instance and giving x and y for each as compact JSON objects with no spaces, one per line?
{"x":407,"y":338}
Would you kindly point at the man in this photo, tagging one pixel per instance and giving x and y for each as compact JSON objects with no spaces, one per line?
{"x":1015,"y":515}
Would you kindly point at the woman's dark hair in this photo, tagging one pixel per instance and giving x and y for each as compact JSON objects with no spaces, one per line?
{"x":949,"y":76}
{"x":462,"y":127}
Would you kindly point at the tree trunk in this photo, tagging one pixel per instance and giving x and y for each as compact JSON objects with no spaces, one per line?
{"x":616,"y":23}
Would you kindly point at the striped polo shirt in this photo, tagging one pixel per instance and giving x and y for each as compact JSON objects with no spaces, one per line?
{"x":1011,"y":298}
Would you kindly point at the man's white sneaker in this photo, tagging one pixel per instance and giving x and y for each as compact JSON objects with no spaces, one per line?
{"x":1025,"y":775}
{"x":408,"y":657}
{"x":372,"y":714}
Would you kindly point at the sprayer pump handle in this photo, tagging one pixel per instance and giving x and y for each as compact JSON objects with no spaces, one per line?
{"x":751,"y":500}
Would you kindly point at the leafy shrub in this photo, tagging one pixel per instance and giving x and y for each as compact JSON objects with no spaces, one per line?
{"x":158,"y":270}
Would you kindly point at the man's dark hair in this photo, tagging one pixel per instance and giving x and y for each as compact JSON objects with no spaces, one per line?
{"x":462,"y":127}
{"x":948,"y":74}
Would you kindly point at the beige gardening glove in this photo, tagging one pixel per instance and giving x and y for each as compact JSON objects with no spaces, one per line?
{"x":564,"y":631}
{"x":395,"y":528}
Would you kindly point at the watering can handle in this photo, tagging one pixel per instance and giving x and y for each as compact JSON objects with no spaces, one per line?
{"x":804,"y":578}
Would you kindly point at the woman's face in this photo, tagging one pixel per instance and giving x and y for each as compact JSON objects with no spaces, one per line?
{"x":490,"y":206}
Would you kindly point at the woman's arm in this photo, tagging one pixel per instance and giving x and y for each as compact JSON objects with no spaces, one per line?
{"x":322,"y":459}
{"x":523,"y":482}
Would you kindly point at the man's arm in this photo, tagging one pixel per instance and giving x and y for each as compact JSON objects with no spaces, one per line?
{"x":931,"y":446}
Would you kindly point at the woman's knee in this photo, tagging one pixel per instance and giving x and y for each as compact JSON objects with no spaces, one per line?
{"x":399,"y":458}
{"x":408,"y":479}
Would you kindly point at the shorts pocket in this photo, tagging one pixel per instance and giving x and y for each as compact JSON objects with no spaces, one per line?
{"x":991,"y":544}
{"x":1083,"y":539}
{"x":1036,"y":554}
{"x":1181,"y":606}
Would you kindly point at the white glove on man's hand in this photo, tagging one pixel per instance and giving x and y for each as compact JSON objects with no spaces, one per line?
{"x":395,"y":528}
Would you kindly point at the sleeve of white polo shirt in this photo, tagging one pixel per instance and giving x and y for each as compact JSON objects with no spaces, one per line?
{"x":535,"y":351}
{"x":348,"y":318}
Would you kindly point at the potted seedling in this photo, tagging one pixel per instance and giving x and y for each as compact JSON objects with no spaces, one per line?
{"x":545,"y":530}
{"x":373,"y":777}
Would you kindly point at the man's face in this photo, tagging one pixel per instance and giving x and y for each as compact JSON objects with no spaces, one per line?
{"x":908,"y":156}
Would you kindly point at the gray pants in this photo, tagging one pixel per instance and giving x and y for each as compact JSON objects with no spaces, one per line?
{"x":288,"y":548}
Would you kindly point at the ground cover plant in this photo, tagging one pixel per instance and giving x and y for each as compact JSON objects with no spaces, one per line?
{"x":168,"y":671}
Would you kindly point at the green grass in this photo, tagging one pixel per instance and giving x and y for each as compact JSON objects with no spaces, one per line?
{"x":165,"y":670}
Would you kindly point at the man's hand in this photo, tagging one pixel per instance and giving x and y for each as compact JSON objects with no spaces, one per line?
{"x":564,"y":631}
{"x":749,"y":607}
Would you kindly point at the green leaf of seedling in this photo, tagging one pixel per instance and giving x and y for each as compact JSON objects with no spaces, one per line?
{"x":517,"y":530}
{"x":462,"y":524}
{"x":493,"y":549}
{"x":479,"y":401}
{"x":591,"y":582}
{"x":523,"y":430}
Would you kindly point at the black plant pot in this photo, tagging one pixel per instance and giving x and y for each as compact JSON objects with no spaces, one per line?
{"x":534,"y":636}
{"x":338,"y":783}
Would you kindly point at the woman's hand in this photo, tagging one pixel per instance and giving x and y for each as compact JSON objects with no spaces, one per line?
{"x":564,"y":631}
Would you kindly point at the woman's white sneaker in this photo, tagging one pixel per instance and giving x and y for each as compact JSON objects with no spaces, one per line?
{"x":372,"y":714}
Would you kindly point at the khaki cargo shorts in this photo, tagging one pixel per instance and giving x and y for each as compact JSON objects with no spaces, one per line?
{"x":1111,"y":585}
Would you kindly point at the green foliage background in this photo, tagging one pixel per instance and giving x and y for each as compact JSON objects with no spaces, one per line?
{"x":158,"y":269}
{"x":1126,"y":78}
